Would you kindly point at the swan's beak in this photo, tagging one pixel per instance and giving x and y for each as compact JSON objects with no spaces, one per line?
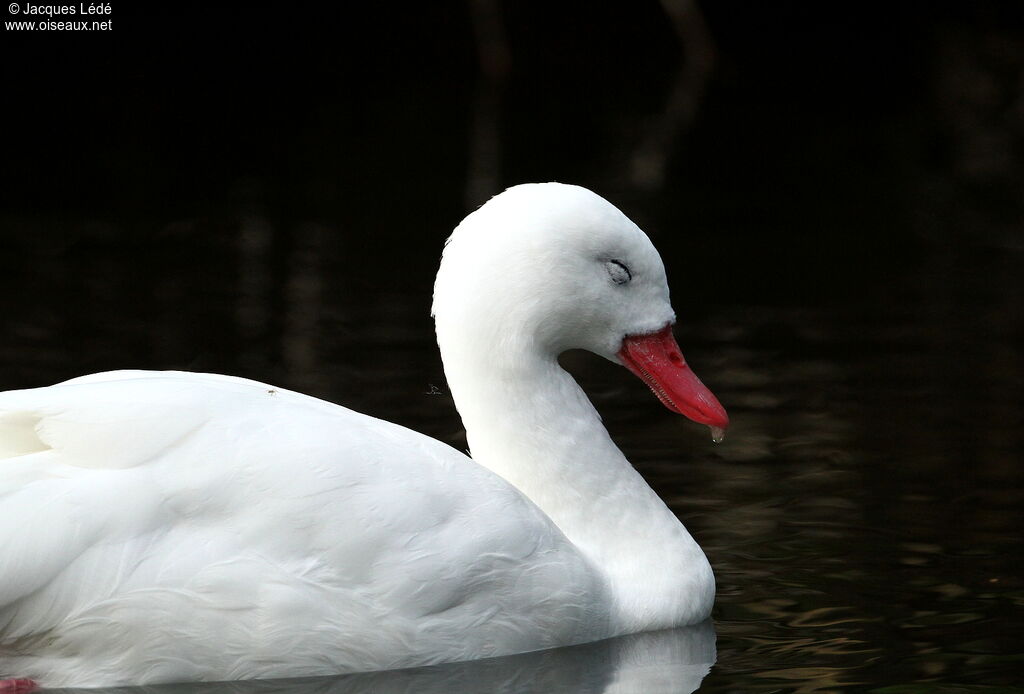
{"x":659,"y":363}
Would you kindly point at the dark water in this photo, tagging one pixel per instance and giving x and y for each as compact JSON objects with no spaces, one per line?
{"x":863,"y":514}
{"x":838,"y":202}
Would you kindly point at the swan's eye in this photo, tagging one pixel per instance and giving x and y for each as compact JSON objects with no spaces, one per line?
{"x":619,"y":273}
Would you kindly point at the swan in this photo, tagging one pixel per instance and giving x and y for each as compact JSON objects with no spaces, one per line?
{"x":170,"y":527}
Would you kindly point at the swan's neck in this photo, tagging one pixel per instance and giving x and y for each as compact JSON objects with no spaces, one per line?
{"x":528,"y":420}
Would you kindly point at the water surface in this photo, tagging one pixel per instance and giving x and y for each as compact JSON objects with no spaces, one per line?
{"x":862,"y":515}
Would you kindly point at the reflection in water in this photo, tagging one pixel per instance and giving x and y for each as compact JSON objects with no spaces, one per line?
{"x":303,"y":289}
{"x":255,"y":236}
{"x":483,"y":175}
{"x":652,"y":155}
{"x":674,"y":660}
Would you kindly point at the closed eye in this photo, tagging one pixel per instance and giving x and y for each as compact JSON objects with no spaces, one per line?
{"x":618,"y":271}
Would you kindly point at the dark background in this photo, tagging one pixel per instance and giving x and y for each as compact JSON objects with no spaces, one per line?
{"x":836,"y":189}
{"x":197,"y":185}
{"x":826,"y":136}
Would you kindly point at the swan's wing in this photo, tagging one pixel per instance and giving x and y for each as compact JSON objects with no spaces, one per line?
{"x":58,"y":449}
{"x":104,"y":425}
{"x":105,"y":458}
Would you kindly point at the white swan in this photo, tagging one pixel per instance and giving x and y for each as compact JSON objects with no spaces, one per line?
{"x":162,"y":526}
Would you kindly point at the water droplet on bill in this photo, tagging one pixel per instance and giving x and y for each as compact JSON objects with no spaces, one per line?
{"x":717,"y":435}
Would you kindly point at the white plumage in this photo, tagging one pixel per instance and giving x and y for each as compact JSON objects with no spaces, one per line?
{"x":169,"y":526}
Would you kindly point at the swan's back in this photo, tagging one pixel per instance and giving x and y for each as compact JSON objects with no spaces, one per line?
{"x":163,"y":526}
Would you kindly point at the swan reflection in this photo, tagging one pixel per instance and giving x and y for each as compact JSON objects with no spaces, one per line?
{"x":673,"y":660}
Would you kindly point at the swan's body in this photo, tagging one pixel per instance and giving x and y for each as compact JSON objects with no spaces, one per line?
{"x":238,"y":530}
{"x":161,"y":526}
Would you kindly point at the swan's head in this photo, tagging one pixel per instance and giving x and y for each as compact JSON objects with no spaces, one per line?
{"x":546,"y":267}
